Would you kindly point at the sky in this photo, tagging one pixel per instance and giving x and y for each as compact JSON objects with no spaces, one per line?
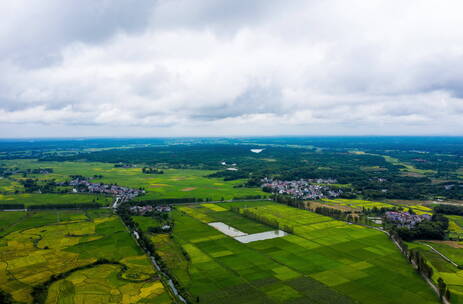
{"x":147,"y":68}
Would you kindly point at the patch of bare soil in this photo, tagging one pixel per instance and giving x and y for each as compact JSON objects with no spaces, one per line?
{"x":412,"y":174}
{"x":313,"y":205}
{"x":453,"y":244}
{"x":188,"y":189}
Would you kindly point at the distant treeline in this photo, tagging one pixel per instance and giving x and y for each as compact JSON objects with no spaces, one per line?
{"x":368,"y":174}
{"x":65,"y":206}
{"x":12,"y":206}
{"x":449,"y":209}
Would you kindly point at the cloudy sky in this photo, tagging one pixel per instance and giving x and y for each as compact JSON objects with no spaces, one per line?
{"x":214,"y":68}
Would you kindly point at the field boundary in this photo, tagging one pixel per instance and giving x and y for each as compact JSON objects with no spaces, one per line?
{"x":442,"y":255}
{"x":164,"y":278}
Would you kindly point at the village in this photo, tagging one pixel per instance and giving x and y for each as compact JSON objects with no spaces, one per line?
{"x":143,"y":210}
{"x":405,"y":219}
{"x":122,"y":194}
{"x":309,"y":189}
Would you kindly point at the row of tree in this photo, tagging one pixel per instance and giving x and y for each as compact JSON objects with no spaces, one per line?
{"x":418,"y":260}
{"x":289,"y":200}
{"x":150,"y":170}
{"x":11,"y":206}
{"x":449,"y":209}
{"x":272,"y":222}
{"x":65,"y":206}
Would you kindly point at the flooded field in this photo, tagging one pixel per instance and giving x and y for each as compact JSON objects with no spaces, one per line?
{"x":267,"y":235}
{"x":243,"y":237}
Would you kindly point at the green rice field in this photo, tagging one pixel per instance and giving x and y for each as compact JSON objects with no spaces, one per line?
{"x":451,"y":275}
{"x":323,"y":261}
{"x":31,"y":199}
{"x":174,"y":183}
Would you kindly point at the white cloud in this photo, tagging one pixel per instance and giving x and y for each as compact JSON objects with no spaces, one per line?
{"x":215,"y":68}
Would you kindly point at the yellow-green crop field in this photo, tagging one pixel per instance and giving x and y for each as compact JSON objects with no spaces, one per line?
{"x":56,"y":243}
{"x":455,"y":226}
{"x":356,"y":204}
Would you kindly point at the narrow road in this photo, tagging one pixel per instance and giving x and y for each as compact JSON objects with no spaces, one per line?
{"x":168,"y":280}
{"x":442,"y":255}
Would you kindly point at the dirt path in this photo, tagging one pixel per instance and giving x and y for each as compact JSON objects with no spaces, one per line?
{"x":441,"y":254}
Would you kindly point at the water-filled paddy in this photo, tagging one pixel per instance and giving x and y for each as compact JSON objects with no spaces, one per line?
{"x":243,"y":237}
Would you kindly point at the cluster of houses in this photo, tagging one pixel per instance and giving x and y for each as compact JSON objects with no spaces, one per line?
{"x":302,"y":189}
{"x":405,"y":219}
{"x":322,"y":180}
{"x":82,"y":185}
{"x":5,"y":172}
{"x":41,"y":171}
{"x":125,"y":166}
{"x":142,"y":210}
{"x":231,"y":167}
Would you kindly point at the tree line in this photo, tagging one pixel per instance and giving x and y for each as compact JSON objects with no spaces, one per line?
{"x":248,"y":213}
{"x":65,"y":206}
{"x":418,"y":260}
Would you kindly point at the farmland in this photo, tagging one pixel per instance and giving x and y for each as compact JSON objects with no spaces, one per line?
{"x":323,"y":261}
{"x":31,"y":199}
{"x":174,"y":183}
{"x":359,"y":205}
{"x":73,"y":246}
{"x":452,"y":276}
{"x":212,"y":231}
{"x":355,"y":204}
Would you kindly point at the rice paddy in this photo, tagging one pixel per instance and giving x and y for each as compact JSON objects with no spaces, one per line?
{"x":452,"y":276}
{"x":174,"y":183}
{"x":47,"y":243}
{"x":355,"y":204}
{"x":31,"y":199}
{"x":323,"y":261}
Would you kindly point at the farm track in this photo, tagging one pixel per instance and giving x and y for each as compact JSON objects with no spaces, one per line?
{"x":164,"y":278}
{"x":442,"y":255}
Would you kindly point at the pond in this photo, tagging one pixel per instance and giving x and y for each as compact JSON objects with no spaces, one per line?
{"x":261,"y":236}
{"x":227,"y":229}
{"x":243,"y":237}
